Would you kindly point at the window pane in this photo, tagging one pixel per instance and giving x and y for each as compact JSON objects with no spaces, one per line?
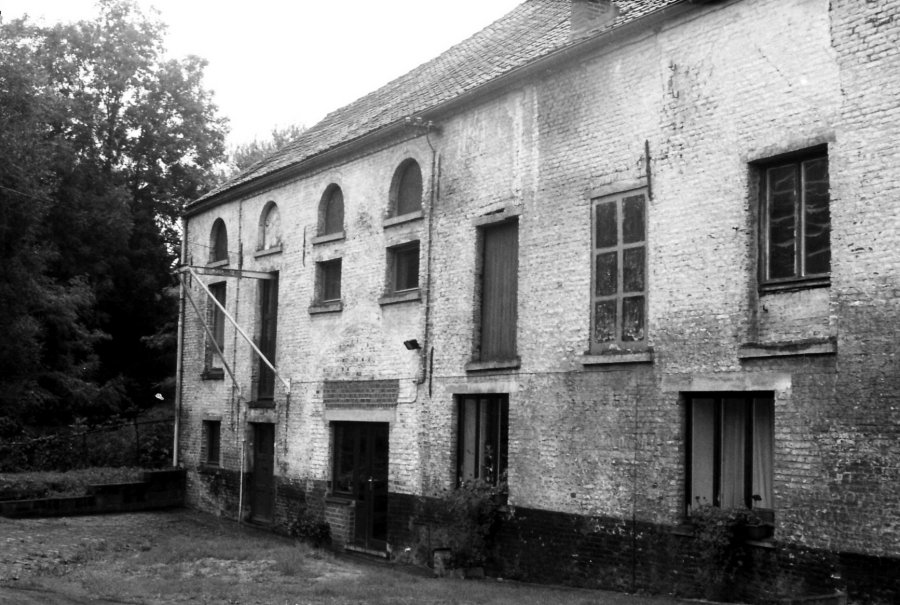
{"x":468,"y":432}
{"x":605,"y":321}
{"x":817,"y":216}
{"x":331,"y":280}
{"x":406,"y":267}
{"x":409,"y":194}
{"x":217,"y":318}
{"x":607,"y":227}
{"x":633,"y":219}
{"x":334,"y":212}
{"x":782,"y":183}
{"x":220,"y":241}
{"x":703,"y":452}
{"x":633,"y":318}
{"x":607,"y":277}
{"x":734,"y":431}
{"x":633,"y":270}
{"x":763,"y":452}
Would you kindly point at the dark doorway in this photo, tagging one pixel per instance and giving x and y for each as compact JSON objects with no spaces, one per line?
{"x":262,"y":477}
{"x":361,"y":473}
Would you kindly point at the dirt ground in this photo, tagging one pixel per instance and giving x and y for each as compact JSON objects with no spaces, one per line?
{"x":181,"y":556}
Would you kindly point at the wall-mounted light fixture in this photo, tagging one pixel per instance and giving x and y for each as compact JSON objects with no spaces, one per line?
{"x":411,"y":345}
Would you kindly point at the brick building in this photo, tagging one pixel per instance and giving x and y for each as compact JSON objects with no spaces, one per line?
{"x":634,"y":258}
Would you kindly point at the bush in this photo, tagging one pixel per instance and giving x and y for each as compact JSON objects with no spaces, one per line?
{"x":474,"y":510}
{"x":310,"y":527}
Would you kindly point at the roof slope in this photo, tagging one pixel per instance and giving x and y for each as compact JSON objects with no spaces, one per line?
{"x":532,"y":30}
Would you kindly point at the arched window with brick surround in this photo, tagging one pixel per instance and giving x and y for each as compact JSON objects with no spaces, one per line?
{"x":331,"y":211}
{"x":218,"y":242}
{"x":406,"y":189}
{"x":269,"y":227}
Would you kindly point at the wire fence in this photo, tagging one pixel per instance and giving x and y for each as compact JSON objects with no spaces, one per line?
{"x":147,"y":444}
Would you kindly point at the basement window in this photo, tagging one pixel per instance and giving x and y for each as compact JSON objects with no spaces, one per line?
{"x":730,"y":451}
{"x":483,"y":438}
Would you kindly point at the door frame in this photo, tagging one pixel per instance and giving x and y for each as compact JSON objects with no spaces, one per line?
{"x":256,"y":514}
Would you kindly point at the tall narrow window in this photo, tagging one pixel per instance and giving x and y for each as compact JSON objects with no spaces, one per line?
{"x":730,"y":451}
{"x":406,"y":189}
{"x":215,"y":319}
{"x":499,"y":291}
{"x":269,"y":227}
{"x":268,"y":322}
{"x":331,"y":211}
{"x":483,"y":441}
{"x":211,"y":442}
{"x":329,"y":280}
{"x":619,"y":290}
{"x":796,"y":218}
{"x":218,"y":242}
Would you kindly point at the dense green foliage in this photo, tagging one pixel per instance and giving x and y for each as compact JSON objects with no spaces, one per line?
{"x":245,"y":155}
{"x":102,"y":140}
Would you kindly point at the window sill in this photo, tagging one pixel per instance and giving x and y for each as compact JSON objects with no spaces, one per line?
{"x":217,"y":263}
{"x":794,"y":285}
{"x":332,"y":306}
{"x":210,"y":467}
{"x":264,"y":404}
{"x":342,"y":499}
{"x":268,"y":251}
{"x":604,"y":359}
{"x":213,"y":374}
{"x":330,"y":237}
{"x":400,"y":297}
{"x":403,"y":218}
{"x":499,"y":364}
{"x":815,"y":346}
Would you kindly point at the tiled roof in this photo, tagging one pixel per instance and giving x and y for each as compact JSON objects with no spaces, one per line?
{"x":532,"y":30}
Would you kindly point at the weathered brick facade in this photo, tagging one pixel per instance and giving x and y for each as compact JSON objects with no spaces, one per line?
{"x":684,"y":101}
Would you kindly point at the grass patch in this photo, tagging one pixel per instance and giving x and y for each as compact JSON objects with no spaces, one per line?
{"x":48,"y":484}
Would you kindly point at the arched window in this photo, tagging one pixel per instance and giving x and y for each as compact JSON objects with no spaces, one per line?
{"x":218,"y":242}
{"x":406,"y":189}
{"x":270,"y":227}
{"x":331,"y":211}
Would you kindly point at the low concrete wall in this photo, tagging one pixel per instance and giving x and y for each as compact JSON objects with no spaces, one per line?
{"x":159,"y":489}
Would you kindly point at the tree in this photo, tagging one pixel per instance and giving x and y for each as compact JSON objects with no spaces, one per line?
{"x":245,"y":155}
{"x":102,"y":142}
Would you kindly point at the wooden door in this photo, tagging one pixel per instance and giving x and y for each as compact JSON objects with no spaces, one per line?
{"x":361,"y":473}
{"x":262,"y":479}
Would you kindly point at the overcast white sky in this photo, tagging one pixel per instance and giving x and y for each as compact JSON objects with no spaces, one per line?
{"x":277,"y":63}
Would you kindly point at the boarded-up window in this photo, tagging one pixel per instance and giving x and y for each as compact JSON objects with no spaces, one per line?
{"x":619,"y":289}
{"x":731,"y":450}
{"x":218,"y":246}
{"x":331,"y":211}
{"x":796,"y":218}
{"x":482,"y":442}
{"x":268,"y":322}
{"x":215,"y":319}
{"x":329,"y":276}
{"x":406,"y":190}
{"x":499,"y":291}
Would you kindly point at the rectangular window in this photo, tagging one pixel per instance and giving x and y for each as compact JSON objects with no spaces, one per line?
{"x":216,"y":321}
{"x":796,"y":220}
{"x":482,"y":442}
{"x":329,"y":279}
{"x":268,"y":323}
{"x":499,"y":291}
{"x":730,"y":449}
{"x":619,"y":272}
{"x":211,"y":442}
{"x":404,"y":267}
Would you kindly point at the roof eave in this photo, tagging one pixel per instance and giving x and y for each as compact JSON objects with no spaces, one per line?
{"x":477,"y":93}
